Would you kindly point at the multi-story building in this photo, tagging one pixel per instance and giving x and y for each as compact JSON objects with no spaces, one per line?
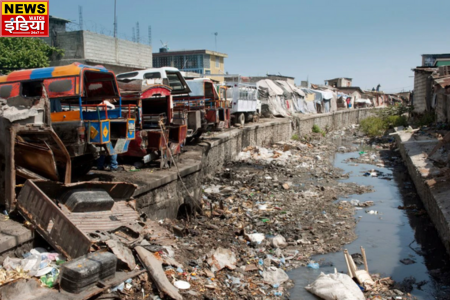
{"x":198,"y":61}
{"x":339,"y":82}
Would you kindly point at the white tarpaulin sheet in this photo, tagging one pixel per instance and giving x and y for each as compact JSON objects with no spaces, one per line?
{"x":275,"y":101}
{"x":363,"y":101}
{"x":297,"y":97}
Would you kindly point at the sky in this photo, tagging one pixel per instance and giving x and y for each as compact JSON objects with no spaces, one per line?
{"x":373,"y":42}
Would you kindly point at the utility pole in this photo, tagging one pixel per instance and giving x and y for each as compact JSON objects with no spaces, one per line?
{"x":80,"y":17}
{"x":115,"y":19}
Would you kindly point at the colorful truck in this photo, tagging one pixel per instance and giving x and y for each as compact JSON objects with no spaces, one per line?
{"x":186,"y":110}
{"x":85,"y":105}
{"x":217,"y":112}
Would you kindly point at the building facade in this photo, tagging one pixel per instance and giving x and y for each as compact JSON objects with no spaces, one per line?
{"x":422,"y":89}
{"x":339,"y":82}
{"x":203,"y":62}
{"x":435,"y":60}
{"x":97,"y":49}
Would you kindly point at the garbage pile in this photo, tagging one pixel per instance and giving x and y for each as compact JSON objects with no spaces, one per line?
{"x":266,"y":213}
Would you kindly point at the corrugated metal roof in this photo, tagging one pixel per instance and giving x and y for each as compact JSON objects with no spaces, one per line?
{"x":443,"y":81}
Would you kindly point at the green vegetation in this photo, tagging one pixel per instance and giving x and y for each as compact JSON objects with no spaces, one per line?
{"x":426,"y":119}
{"x":295,"y":137}
{"x":316,"y":129}
{"x":373,"y":126}
{"x":386,"y":118}
{"x":395,"y":121}
{"x":25,"y":53}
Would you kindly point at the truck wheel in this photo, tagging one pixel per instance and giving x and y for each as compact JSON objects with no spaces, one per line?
{"x":249,"y":117}
{"x":241,"y":119}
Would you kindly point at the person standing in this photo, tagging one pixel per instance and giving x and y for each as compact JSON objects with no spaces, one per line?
{"x":113,"y":165}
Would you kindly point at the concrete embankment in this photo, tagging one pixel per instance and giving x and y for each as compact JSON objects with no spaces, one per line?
{"x":435,"y":194}
{"x":160,"y":194}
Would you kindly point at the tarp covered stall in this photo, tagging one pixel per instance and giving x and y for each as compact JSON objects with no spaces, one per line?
{"x":296,"y":95}
{"x":311,"y":100}
{"x":275,"y":98}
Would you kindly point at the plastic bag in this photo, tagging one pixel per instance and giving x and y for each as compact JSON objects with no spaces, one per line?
{"x":335,"y":287}
{"x":275,"y":276}
{"x":279,"y":241}
{"x":31,"y":264}
{"x":221,"y":258}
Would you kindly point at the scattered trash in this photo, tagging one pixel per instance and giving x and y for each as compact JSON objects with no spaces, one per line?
{"x":221,"y":258}
{"x":256,"y":237}
{"x":279,"y":241}
{"x":313,"y":265}
{"x":182,"y":285}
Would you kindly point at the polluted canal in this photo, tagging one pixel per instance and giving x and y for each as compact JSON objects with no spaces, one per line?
{"x":399,"y":239}
{"x":278,"y":208}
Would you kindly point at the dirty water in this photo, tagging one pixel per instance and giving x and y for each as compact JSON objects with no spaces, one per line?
{"x":388,"y":237}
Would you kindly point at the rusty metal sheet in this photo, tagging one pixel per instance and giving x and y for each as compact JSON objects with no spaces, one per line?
{"x":442,"y":81}
{"x":117,"y":190}
{"x":37,"y":158}
{"x":120,"y":214}
{"x":50,"y":222}
{"x":70,"y":233}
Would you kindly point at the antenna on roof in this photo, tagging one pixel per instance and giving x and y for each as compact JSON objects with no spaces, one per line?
{"x":164,"y":47}
{"x":115,"y":19}
{"x":138,"y":34}
{"x":80,"y":16}
{"x":150,"y":35}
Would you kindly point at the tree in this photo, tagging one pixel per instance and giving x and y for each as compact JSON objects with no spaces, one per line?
{"x":25,"y":53}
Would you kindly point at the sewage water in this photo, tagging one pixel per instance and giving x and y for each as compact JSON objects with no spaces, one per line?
{"x":388,"y":237}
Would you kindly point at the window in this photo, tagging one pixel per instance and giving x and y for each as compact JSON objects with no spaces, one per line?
{"x":32,"y":89}
{"x":152,"y":75}
{"x":127,"y":75}
{"x":217,"y":62}
{"x":207,"y":72}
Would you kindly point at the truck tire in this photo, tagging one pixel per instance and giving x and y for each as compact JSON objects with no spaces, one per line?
{"x":240,"y":119}
{"x":248,"y":117}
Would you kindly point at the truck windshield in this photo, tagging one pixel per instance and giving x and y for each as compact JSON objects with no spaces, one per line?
{"x":176,"y":82}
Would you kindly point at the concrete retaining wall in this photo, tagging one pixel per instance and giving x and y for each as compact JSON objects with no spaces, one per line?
{"x":435,"y":195}
{"x":162,"y":200}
